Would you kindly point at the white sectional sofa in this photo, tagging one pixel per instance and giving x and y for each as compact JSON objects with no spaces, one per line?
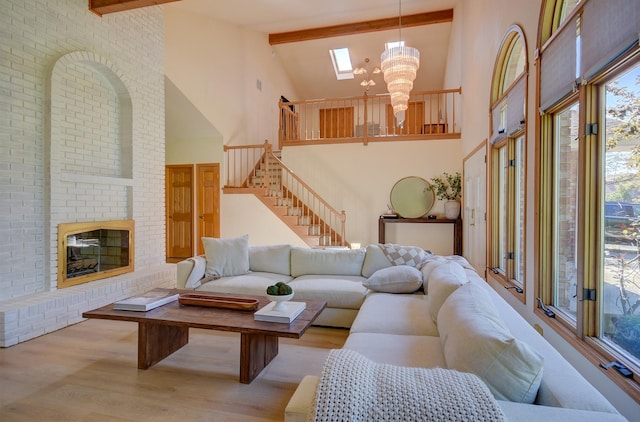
{"x":460,"y":323}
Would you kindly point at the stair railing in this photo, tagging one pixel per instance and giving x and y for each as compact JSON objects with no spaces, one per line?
{"x":323,"y":219}
{"x":242,"y":162}
{"x":310,"y":208}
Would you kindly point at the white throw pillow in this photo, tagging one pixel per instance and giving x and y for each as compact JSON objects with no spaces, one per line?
{"x":443,"y":280}
{"x":374,"y":260}
{"x":270,"y":259}
{"x":396,"y":279}
{"x":475,"y":339}
{"x":195,"y":277}
{"x":226,"y":256}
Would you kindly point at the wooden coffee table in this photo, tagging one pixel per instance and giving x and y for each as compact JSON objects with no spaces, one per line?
{"x":164,"y":330}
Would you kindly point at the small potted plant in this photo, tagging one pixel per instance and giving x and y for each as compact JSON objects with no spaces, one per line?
{"x":448,"y":188}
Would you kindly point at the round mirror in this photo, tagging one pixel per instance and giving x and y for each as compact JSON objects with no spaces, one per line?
{"x":412,"y":197}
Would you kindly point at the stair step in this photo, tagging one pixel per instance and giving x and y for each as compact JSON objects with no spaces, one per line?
{"x":314,"y":230}
{"x":294,"y":211}
{"x":304,"y":220}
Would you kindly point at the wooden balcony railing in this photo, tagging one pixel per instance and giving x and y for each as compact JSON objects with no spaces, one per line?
{"x":431,"y":115}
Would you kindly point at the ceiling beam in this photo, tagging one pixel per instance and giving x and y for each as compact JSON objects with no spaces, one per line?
{"x":101,"y":7}
{"x":427,"y":18}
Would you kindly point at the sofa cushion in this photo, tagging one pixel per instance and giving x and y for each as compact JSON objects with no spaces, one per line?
{"x":475,"y":339}
{"x":375,"y":259}
{"x":397,"y":314}
{"x":270,"y":259}
{"x":443,"y":280}
{"x":339,"y":291}
{"x":326,"y":261}
{"x":396,"y":279}
{"x":226,"y":257}
{"x":253,"y":283}
{"x":406,"y":350}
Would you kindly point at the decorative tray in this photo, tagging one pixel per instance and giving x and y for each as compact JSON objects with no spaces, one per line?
{"x":211,"y":301}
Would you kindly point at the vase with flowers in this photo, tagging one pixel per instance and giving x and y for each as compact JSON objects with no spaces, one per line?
{"x":448,"y":188}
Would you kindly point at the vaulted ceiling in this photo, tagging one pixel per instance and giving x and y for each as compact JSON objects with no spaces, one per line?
{"x":308,"y":63}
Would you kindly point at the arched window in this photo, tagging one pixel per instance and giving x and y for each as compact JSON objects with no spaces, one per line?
{"x":508,"y":163}
{"x":589,"y":179}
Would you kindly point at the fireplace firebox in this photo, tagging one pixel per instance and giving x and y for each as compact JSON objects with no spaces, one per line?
{"x":94,"y":250}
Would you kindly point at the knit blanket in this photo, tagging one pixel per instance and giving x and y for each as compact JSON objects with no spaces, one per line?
{"x":405,"y":255}
{"x":354,"y":388}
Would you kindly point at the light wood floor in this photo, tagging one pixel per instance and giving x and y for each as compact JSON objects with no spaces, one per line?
{"x":88,"y":372}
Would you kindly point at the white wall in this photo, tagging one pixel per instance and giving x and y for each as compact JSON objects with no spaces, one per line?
{"x":477,"y":33}
{"x":358,"y":179}
{"x":218,"y":67}
{"x":224,"y":64}
{"x":36,"y":33}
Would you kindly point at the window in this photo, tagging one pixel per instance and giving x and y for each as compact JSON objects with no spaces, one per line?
{"x":508,"y":164}
{"x":565,"y":206}
{"x":620,"y":253}
{"x":588,"y":167}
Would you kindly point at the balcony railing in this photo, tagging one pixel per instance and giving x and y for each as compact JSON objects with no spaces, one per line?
{"x":431,"y":115}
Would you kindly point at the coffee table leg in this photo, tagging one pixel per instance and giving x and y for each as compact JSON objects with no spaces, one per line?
{"x":157,"y":341}
{"x":256,"y":351}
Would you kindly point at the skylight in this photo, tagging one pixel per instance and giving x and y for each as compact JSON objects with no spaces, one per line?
{"x":341,"y":63}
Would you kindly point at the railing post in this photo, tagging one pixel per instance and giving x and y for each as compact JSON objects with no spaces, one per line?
{"x":343,"y":219}
{"x":366,"y":122}
{"x":267,"y":150}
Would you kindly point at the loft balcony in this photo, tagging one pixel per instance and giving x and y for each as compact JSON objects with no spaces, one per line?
{"x":364,"y":119}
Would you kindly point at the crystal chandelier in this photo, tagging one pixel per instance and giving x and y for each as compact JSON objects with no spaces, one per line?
{"x":400,"y":65}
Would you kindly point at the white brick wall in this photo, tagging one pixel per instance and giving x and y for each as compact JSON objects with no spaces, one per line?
{"x":63,"y":75}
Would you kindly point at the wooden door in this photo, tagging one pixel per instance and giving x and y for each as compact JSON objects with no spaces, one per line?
{"x":336,"y":122}
{"x":179,"y":209}
{"x":413,"y":119}
{"x":208,"y":202}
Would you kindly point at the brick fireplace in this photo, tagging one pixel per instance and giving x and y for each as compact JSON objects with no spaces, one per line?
{"x":85,"y":98}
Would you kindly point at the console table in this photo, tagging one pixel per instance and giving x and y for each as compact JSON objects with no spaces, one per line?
{"x":457,"y":228}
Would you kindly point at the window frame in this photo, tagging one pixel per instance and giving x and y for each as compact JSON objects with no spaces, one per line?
{"x":584,"y":334}
{"x":504,"y":140}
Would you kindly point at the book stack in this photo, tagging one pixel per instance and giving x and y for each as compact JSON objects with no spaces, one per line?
{"x":291,"y":312}
{"x":147,"y":301}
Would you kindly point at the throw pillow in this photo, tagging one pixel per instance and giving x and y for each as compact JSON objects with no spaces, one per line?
{"x":397,"y":279}
{"x":195,"y":277}
{"x":270,"y":259}
{"x":226,"y":257}
{"x":443,"y":281}
{"x":374,"y":260}
{"x":475,"y":339}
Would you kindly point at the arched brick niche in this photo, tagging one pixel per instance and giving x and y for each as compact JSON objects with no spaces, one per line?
{"x":89,"y":152}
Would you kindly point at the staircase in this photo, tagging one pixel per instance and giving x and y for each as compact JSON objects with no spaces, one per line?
{"x":292,"y":200}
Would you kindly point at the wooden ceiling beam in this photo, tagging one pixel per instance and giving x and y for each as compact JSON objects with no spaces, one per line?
{"x":427,"y":18}
{"x":102,"y":7}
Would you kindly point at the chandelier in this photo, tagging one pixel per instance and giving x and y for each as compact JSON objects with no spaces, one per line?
{"x":367,"y":81}
{"x":399,"y":65}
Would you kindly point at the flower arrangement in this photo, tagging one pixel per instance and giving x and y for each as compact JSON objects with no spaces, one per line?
{"x":448,"y":186}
